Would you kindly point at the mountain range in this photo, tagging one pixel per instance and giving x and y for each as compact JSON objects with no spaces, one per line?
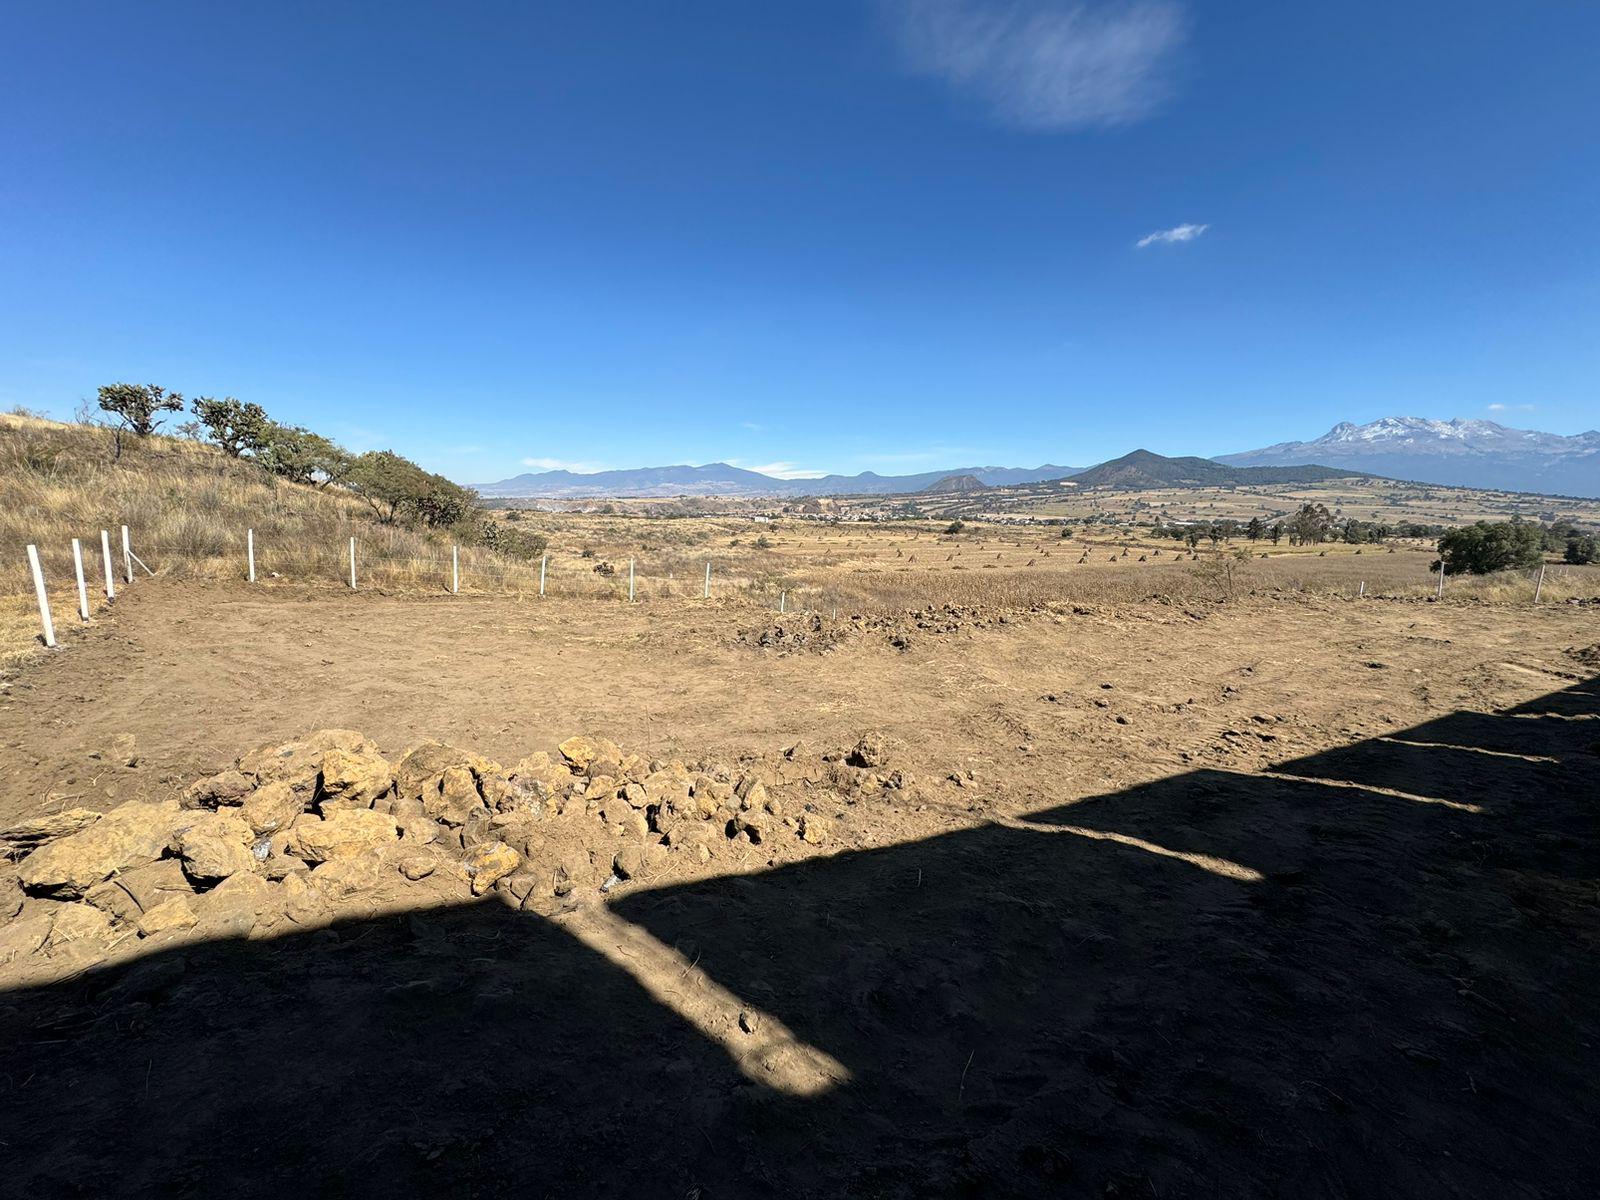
{"x":722,"y":479}
{"x":1460,"y":453}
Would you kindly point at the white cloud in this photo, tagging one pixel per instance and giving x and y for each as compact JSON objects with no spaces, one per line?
{"x":1509,"y":407}
{"x":1043,"y":65}
{"x":561,"y":464}
{"x":1178,"y":233}
{"x":784,"y":470}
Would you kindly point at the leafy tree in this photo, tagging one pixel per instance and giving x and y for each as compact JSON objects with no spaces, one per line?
{"x":301,"y":456}
{"x":1256,"y":529}
{"x":1582,"y":549}
{"x":1310,"y":526}
{"x":137,"y":408}
{"x":389,"y":482}
{"x":1277,"y":532}
{"x":1483,"y":548}
{"x":444,"y":503}
{"x":955,"y":526}
{"x":232,"y":424}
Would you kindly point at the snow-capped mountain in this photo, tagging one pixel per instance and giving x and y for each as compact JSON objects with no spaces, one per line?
{"x":1460,"y":452}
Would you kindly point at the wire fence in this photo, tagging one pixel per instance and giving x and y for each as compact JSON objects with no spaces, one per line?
{"x":87,"y":576}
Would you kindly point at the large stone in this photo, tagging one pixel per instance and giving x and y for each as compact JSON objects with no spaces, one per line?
{"x":341,"y":834}
{"x":272,"y":807}
{"x":354,"y":780}
{"x":815,"y":830}
{"x":299,"y":763}
{"x":128,"y":836}
{"x":457,"y":798}
{"x":11,"y":895}
{"x":584,"y":752}
{"x":421,"y":768}
{"x":225,"y":787}
{"x":155,"y":883}
{"x":216,"y":847}
{"x":489,"y":863}
{"x":419,"y":831}
{"x":346,"y":878}
{"x":22,"y":938}
{"x":30,"y":835}
{"x":79,"y":923}
{"x":176,"y":913}
{"x":113,"y":900}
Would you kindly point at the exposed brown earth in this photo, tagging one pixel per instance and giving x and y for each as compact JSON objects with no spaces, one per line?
{"x":1289,"y":896}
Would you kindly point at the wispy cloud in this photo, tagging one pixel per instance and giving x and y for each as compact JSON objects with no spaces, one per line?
{"x":751,"y":425}
{"x":1509,"y":407}
{"x":778,"y":470}
{"x":1178,"y":233}
{"x":1043,"y":65}
{"x":562,"y":464}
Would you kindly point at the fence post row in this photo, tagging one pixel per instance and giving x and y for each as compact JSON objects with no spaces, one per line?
{"x":43,"y":598}
{"x":77,"y":570}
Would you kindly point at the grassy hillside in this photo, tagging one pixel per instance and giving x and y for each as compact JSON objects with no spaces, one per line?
{"x":188,"y":507}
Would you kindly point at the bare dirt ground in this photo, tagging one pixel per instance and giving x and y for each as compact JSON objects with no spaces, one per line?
{"x":1289,"y":896}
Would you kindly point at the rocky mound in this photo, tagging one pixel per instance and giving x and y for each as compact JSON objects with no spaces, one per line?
{"x":303,"y":832}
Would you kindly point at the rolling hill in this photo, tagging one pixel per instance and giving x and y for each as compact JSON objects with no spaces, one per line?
{"x":1144,"y":469}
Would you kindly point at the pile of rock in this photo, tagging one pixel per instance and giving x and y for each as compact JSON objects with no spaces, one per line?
{"x":300,"y":832}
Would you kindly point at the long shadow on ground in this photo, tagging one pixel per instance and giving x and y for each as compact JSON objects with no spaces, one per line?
{"x":1372,"y":973}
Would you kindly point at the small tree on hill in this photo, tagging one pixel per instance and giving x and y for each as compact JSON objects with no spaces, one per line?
{"x":388,"y":482}
{"x":1483,"y":548}
{"x":232,"y":424}
{"x":137,"y":408}
{"x":301,"y":456}
{"x":1582,"y":549}
{"x":1256,"y":529}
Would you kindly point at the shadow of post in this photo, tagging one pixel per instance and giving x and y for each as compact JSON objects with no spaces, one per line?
{"x":1394,"y":996}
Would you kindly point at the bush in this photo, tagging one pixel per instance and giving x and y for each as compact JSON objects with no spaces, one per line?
{"x":1582,"y":549}
{"x":1483,"y":548}
{"x":513,"y":543}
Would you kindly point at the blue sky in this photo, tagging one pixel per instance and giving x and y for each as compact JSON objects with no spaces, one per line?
{"x":833,"y":236}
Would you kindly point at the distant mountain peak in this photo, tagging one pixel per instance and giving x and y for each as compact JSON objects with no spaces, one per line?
{"x":1460,"y":452}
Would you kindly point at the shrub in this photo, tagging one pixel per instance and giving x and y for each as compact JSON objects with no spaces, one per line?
{"x":1484,"y":548}
{"x":1582,"y":549}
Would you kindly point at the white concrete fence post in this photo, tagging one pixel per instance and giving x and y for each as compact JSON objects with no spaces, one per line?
{"x":352,"y":564}
{"x":250,"y":553}
{"x":77,"y":570}
{"x":543,"y":559}
{"x":105,"y":559}
{"x":44,"y":600}
{"x":1439,"y":595}
{"x":1538,"y":588}
{"x":1363,"y":590}
{"x":630,"y":581}
{"x":706,"y":594}
{"x":783,"y":601}
{"x":455,"y":570}
{"x":127,"y":557}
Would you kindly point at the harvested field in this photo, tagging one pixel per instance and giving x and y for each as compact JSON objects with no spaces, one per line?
{"x":1293,"y":894}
